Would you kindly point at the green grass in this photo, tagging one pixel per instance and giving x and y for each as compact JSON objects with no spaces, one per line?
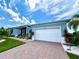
{"x":9,"y":43}
{"x":72,"y":56}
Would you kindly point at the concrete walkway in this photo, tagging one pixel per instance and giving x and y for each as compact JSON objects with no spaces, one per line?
{"x":35,"y":50}
{"x":74,"y":49}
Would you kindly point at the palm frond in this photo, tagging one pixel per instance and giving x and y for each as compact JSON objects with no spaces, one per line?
{"x":73,"y":24}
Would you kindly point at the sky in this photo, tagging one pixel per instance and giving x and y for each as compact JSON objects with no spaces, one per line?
{"x":25,"y":12}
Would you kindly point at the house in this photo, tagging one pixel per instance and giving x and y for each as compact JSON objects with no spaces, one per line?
{"x":20,"y":30}
{"x":51,"y":31}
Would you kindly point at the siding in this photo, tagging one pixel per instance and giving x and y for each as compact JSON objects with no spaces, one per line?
{"x":16,"y":31}
{"x":41,"y":26}
{"x":44,"y":26}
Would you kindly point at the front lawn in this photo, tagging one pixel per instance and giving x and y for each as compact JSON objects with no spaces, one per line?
{"x":72,"y":56}
{"x":9,"y":43}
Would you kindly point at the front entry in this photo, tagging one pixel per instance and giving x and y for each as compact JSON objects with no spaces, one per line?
{"x":23,"y":31}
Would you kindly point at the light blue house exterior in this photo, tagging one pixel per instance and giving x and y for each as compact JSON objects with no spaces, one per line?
{"x":15,"y":31}
{"x":55,"y":31}
{"x":59,"y":26}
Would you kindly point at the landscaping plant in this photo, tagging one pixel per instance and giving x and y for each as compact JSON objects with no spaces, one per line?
{"x":67,"y":36}
{"x":3,"y":33}
{"x":73,"y":24}
{"x":75,"y":38}
{"x":27,"y":36}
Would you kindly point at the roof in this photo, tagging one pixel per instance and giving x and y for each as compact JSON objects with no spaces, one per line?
{"x":18,"y":27}
{"x":60,"y":21}
{"x":77,"y":15}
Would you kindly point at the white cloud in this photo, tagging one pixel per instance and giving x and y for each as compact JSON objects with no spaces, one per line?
{"x":16,"y":17}
{"x":33,"y":21}
{"x":2,"y":18}
{"x":25,"y":20}
{"x":11,"y":20}
{"x":54,"y":10}
{"x":16,"y":8}
{"x":76,"y":4}
{"x":73,"y":11}
{"x":4,"y":3}
{"x":67,"y":14}
{"x":32,"y":3}
{"x":11,"y":12}
{"x":41,"y":4}
{"x":14,"y":2}
{"x":51,"y":7}
{"x":1,"y":6}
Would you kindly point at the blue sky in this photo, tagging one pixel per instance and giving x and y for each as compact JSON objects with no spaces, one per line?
{"x":23,"y":12}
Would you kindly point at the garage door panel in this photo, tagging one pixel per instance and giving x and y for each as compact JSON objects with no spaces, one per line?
{"x":53,"y":35}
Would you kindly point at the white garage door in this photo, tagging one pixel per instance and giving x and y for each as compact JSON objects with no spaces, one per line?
{"x":53,"y":34}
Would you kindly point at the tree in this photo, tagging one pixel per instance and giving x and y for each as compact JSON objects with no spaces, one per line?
{"x":74,"y":23}
{"x":3,"y":32}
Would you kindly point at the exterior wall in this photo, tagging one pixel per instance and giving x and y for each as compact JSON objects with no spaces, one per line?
{"x":52,"y":25}
{"x":9,"y":31}
{"x":44,"y":26}
{"x":41,"y":26}
{"x":16,"y":32}
{"x":27,"y":30}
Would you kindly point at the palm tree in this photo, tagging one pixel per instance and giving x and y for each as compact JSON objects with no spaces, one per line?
{"x":74,"y":23}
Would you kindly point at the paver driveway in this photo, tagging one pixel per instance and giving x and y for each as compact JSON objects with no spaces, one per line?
{"x":36,"y":50}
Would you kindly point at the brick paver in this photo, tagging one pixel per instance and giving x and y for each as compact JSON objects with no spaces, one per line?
{"x":35,"y":50}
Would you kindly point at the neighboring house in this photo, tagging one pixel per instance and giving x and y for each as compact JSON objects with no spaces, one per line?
{"x":51,"y":31}
{"x":20,"y":30}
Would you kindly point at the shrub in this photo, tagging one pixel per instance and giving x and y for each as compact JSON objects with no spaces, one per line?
{"x":31,"y":33}
{"x":67,"y":36}
{"x":3,"y":33}
{"x":73,"y":24}
{"x":27,"y":36}
{"x":75,"y":38}
{"x":72,"y":38}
